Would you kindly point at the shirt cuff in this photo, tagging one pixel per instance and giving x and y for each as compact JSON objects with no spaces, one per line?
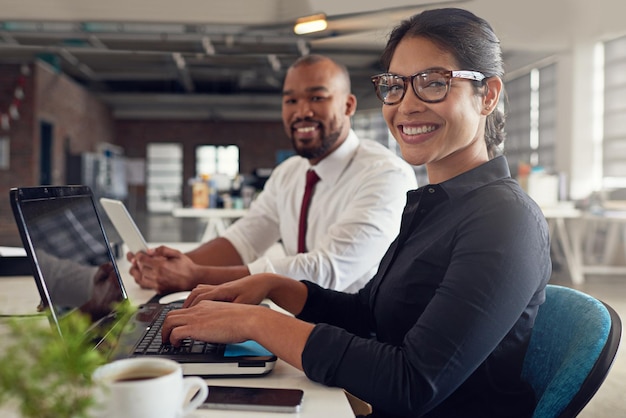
{"x":261,"y":265}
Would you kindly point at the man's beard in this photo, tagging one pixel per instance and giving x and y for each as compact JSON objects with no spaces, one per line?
{"x":327,"y":143}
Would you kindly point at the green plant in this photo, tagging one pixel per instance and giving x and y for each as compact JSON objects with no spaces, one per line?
{"x":48,"y":375}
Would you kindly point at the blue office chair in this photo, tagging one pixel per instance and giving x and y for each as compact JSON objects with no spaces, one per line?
{"x":571,"y":350}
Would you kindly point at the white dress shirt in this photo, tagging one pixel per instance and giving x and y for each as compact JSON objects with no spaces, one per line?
{"x":354,"y":215}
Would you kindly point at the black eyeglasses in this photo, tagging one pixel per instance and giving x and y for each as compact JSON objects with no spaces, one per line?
{"x":431,"y":86}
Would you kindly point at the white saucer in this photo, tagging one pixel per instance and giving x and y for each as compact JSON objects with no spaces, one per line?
{"x":173,"y":297}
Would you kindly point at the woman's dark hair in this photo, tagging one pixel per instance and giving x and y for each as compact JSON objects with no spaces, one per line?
{"x":472,"y":42}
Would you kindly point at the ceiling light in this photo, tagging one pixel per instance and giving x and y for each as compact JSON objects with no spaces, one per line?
{"x":309,"y":24}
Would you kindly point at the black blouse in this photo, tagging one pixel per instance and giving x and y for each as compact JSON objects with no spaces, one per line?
{"x":441,"y":330}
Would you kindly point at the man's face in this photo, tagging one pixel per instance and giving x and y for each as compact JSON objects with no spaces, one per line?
{"x":316,"y":109}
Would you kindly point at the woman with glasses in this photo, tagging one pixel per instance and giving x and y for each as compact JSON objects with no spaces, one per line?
{"x":441,"y":330}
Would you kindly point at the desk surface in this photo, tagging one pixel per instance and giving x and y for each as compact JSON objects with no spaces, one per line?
{"x":18,"y":295}
{"x":561,"y":210}
{"x":218,"y":219}
{"x":208,"y":213}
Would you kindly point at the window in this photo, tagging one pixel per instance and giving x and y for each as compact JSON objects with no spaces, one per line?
{"x":531,"y":119}
{"x":370,"y":124}
{"x":217,"y":159}
{"x":4,"y":153}
{"x":614,"y":128}
{"x":517,"y":143}
{"x":164,"y":176}
{"x":546,"y":116}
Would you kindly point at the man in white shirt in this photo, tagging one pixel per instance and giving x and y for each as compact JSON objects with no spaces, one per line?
{"x":353,"y":216}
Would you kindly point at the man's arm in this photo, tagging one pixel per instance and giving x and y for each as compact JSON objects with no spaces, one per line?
{"x":217,"y":252}
{"x":166,"y":270}
{"x":214,"y":262}
{"x":352,"y":236}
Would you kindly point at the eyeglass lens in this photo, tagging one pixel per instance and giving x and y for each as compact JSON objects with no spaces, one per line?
{"x":429,"y":86}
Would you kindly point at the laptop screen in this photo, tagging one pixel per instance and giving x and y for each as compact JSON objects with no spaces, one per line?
{"x":72,"y":255}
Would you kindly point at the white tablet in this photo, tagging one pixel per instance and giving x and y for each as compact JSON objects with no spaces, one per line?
{"x":124,"y":224}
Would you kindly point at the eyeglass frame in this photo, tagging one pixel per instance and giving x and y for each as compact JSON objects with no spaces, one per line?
{"x":449,"y":74}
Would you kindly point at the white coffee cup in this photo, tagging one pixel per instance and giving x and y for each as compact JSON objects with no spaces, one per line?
{"x":146,"y":387}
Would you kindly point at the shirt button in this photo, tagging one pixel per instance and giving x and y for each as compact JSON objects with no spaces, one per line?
{"x":431,"y":190}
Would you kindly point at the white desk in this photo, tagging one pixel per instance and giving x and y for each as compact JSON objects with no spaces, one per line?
{"x":575,"y":231}
{"x":18,"y":295}
{"x":217,"y":219}
{"x":606,"y":231}
{"x":564,"y":221}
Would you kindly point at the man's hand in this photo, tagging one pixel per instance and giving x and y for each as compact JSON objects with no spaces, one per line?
{"x":164,"y":269}
{"x":134,"y":269}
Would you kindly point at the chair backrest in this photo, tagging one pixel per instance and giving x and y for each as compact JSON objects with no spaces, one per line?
{"x":571,"y":350}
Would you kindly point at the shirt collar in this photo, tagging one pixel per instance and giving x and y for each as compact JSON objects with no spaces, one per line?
{"x":331,"y":167}
{"x":492,"y":170}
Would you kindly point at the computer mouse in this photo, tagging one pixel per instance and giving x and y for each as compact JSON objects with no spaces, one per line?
{"x":174,"y":297}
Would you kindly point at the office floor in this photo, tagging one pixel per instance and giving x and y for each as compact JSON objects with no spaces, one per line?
{"x":608,"y":402}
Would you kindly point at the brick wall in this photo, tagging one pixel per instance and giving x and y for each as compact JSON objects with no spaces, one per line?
{"x":80,"y":122}
{"x":20,"y":135}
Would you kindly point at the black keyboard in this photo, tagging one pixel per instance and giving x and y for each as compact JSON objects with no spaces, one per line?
{"x":151,"y":344}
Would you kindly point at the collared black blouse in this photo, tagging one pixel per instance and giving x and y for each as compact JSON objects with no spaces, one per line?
{"x":441,"y":330}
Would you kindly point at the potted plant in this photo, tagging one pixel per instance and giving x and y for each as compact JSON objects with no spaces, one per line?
{"x":50,"y":376}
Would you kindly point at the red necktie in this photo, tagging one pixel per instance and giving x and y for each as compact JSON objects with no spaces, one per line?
{"x":311,"y":180}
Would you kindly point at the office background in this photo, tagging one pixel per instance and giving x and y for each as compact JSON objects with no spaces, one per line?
{"x":122,"y":95}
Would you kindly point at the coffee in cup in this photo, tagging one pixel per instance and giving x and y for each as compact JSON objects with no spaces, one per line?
{"x":146,"y":387}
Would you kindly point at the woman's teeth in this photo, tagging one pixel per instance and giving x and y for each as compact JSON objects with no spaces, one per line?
{"x":412,"y":130}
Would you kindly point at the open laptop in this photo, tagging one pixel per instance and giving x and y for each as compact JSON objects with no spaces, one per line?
{"x":75,"y":270}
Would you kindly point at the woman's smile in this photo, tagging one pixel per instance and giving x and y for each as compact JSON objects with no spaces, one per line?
{"x":417,"y":133}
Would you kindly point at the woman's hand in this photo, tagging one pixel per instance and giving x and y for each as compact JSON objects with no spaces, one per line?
{"x":217,"y":322}
{"x":287,"y":293}
{"x":223,"y":322}
{"x":250,"y":290}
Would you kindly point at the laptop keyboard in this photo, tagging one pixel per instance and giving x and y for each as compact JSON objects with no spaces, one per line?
{"x":151,"y":344}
